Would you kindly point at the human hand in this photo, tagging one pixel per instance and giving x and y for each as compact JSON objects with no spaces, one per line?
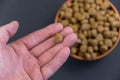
{"x":35,"y":56}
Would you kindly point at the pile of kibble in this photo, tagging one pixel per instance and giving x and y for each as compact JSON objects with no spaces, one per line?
{"x":95,"y":23}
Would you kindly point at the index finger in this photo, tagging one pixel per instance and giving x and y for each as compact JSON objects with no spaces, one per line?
{"x":39,"y":36}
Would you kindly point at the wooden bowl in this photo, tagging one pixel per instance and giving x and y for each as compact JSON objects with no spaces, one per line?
{"x":103,"y":54}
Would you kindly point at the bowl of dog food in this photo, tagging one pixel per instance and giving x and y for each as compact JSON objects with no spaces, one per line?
{"x":96,"y":24}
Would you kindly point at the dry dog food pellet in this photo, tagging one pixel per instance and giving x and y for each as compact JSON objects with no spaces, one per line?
{"x":100,"y":29}
{"x":93,"y":32}
{"x":93,"y":55}
{"x":73,"y":50}
{"x":58,"y":38}
{"x":83,"y":49}
{"x":87,"y":56}
{"x":90,"y":49}
{"x":108,"y":42}
{"x":103,"y":48}
{"x":99,"y":1}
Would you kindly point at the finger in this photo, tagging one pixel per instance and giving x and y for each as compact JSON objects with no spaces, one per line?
{"x":38,"y":36}
{"x":7,"y":31}
{"x":41,"y":48}
{"x":49,"y":69}
{"x":30,"y":64}
{"x":48,"y":55}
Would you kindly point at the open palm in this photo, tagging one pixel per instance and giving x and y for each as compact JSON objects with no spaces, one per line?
{"x":35,"y":56}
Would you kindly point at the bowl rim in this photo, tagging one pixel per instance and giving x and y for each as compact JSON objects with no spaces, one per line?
{"x":103,"y":54}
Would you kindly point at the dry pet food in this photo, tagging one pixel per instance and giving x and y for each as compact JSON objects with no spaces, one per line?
{"x":95,"y":23}
{"x":58,"y":38}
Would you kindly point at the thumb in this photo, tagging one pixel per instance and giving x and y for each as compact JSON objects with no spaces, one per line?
{"x":7,"y":31}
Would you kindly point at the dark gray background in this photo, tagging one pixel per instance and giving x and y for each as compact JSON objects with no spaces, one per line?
{"x":35,"y":14}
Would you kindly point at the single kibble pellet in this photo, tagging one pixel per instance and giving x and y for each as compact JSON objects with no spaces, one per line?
{"x":103,"y":48}
{"x":75,"y":28}
{"x":75,"y":8}
{"x":69,"y":10}
{"x":73,"y":50}
{"x":62,"y":14}
{"x":100,"y":17}
{"x":95,"y":48}
{"x":92,"y":11}
{"x":116,"y":16}
{"x":93,"y":42}
{"x":83,"y":49}
{"x":115,"y":24}
{"x":90,"y":49}
{"x":100,"y":22}
{"x":111,"y":19}
{"x":84,"y":42}
{"x":105,"y":5}
{"x":101,"y":43}
{"x":93,"y":32}
{"x":92,"y":20}
{"x":79,"y":41}
{"x":93,"y":55}
{"x":106,"y":29}
{"x":85,"y":21}
{"x":99,"y":2}
{"x":85,"y":27}
{"x":93,"y":5}
{"x":111,"y":12}
{"x":94,"y":25}
{"x":107,"y":24}
{"x":58,"y":38}
{"x":65,"y":22}
{"x":108,"y":42}
{"x":87,"y":56}
{"x":114,"y":39}
{"x":82,"y":37}
{"x":87,"y":6}
{"x":100,"y":29}
{"x":81,"y":17}
{"x":99,"y":37}
{"x":106,"y":34}
{"x":97,"y":7}
{"x":102,"y":12}
{"x":68,"y":15}
{"x":73,"y":20}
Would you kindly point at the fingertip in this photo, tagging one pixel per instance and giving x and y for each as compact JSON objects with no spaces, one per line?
{"x":59,"y":25}
{"x":75,"y":37}
{"x":72,"y":37}
{"x":15,"y":24}
{"x":12,"y":27}
{"x":70,"y":40}
{"x":69,"y":29}
{"x":66,"y":50}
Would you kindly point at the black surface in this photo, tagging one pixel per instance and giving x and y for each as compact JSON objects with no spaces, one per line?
{"x":35,"y":14}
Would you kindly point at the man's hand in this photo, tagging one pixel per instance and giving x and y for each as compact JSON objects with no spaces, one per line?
{"x":35,"y":56}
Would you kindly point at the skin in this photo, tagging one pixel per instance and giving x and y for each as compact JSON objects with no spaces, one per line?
{"x":35,"y":56}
